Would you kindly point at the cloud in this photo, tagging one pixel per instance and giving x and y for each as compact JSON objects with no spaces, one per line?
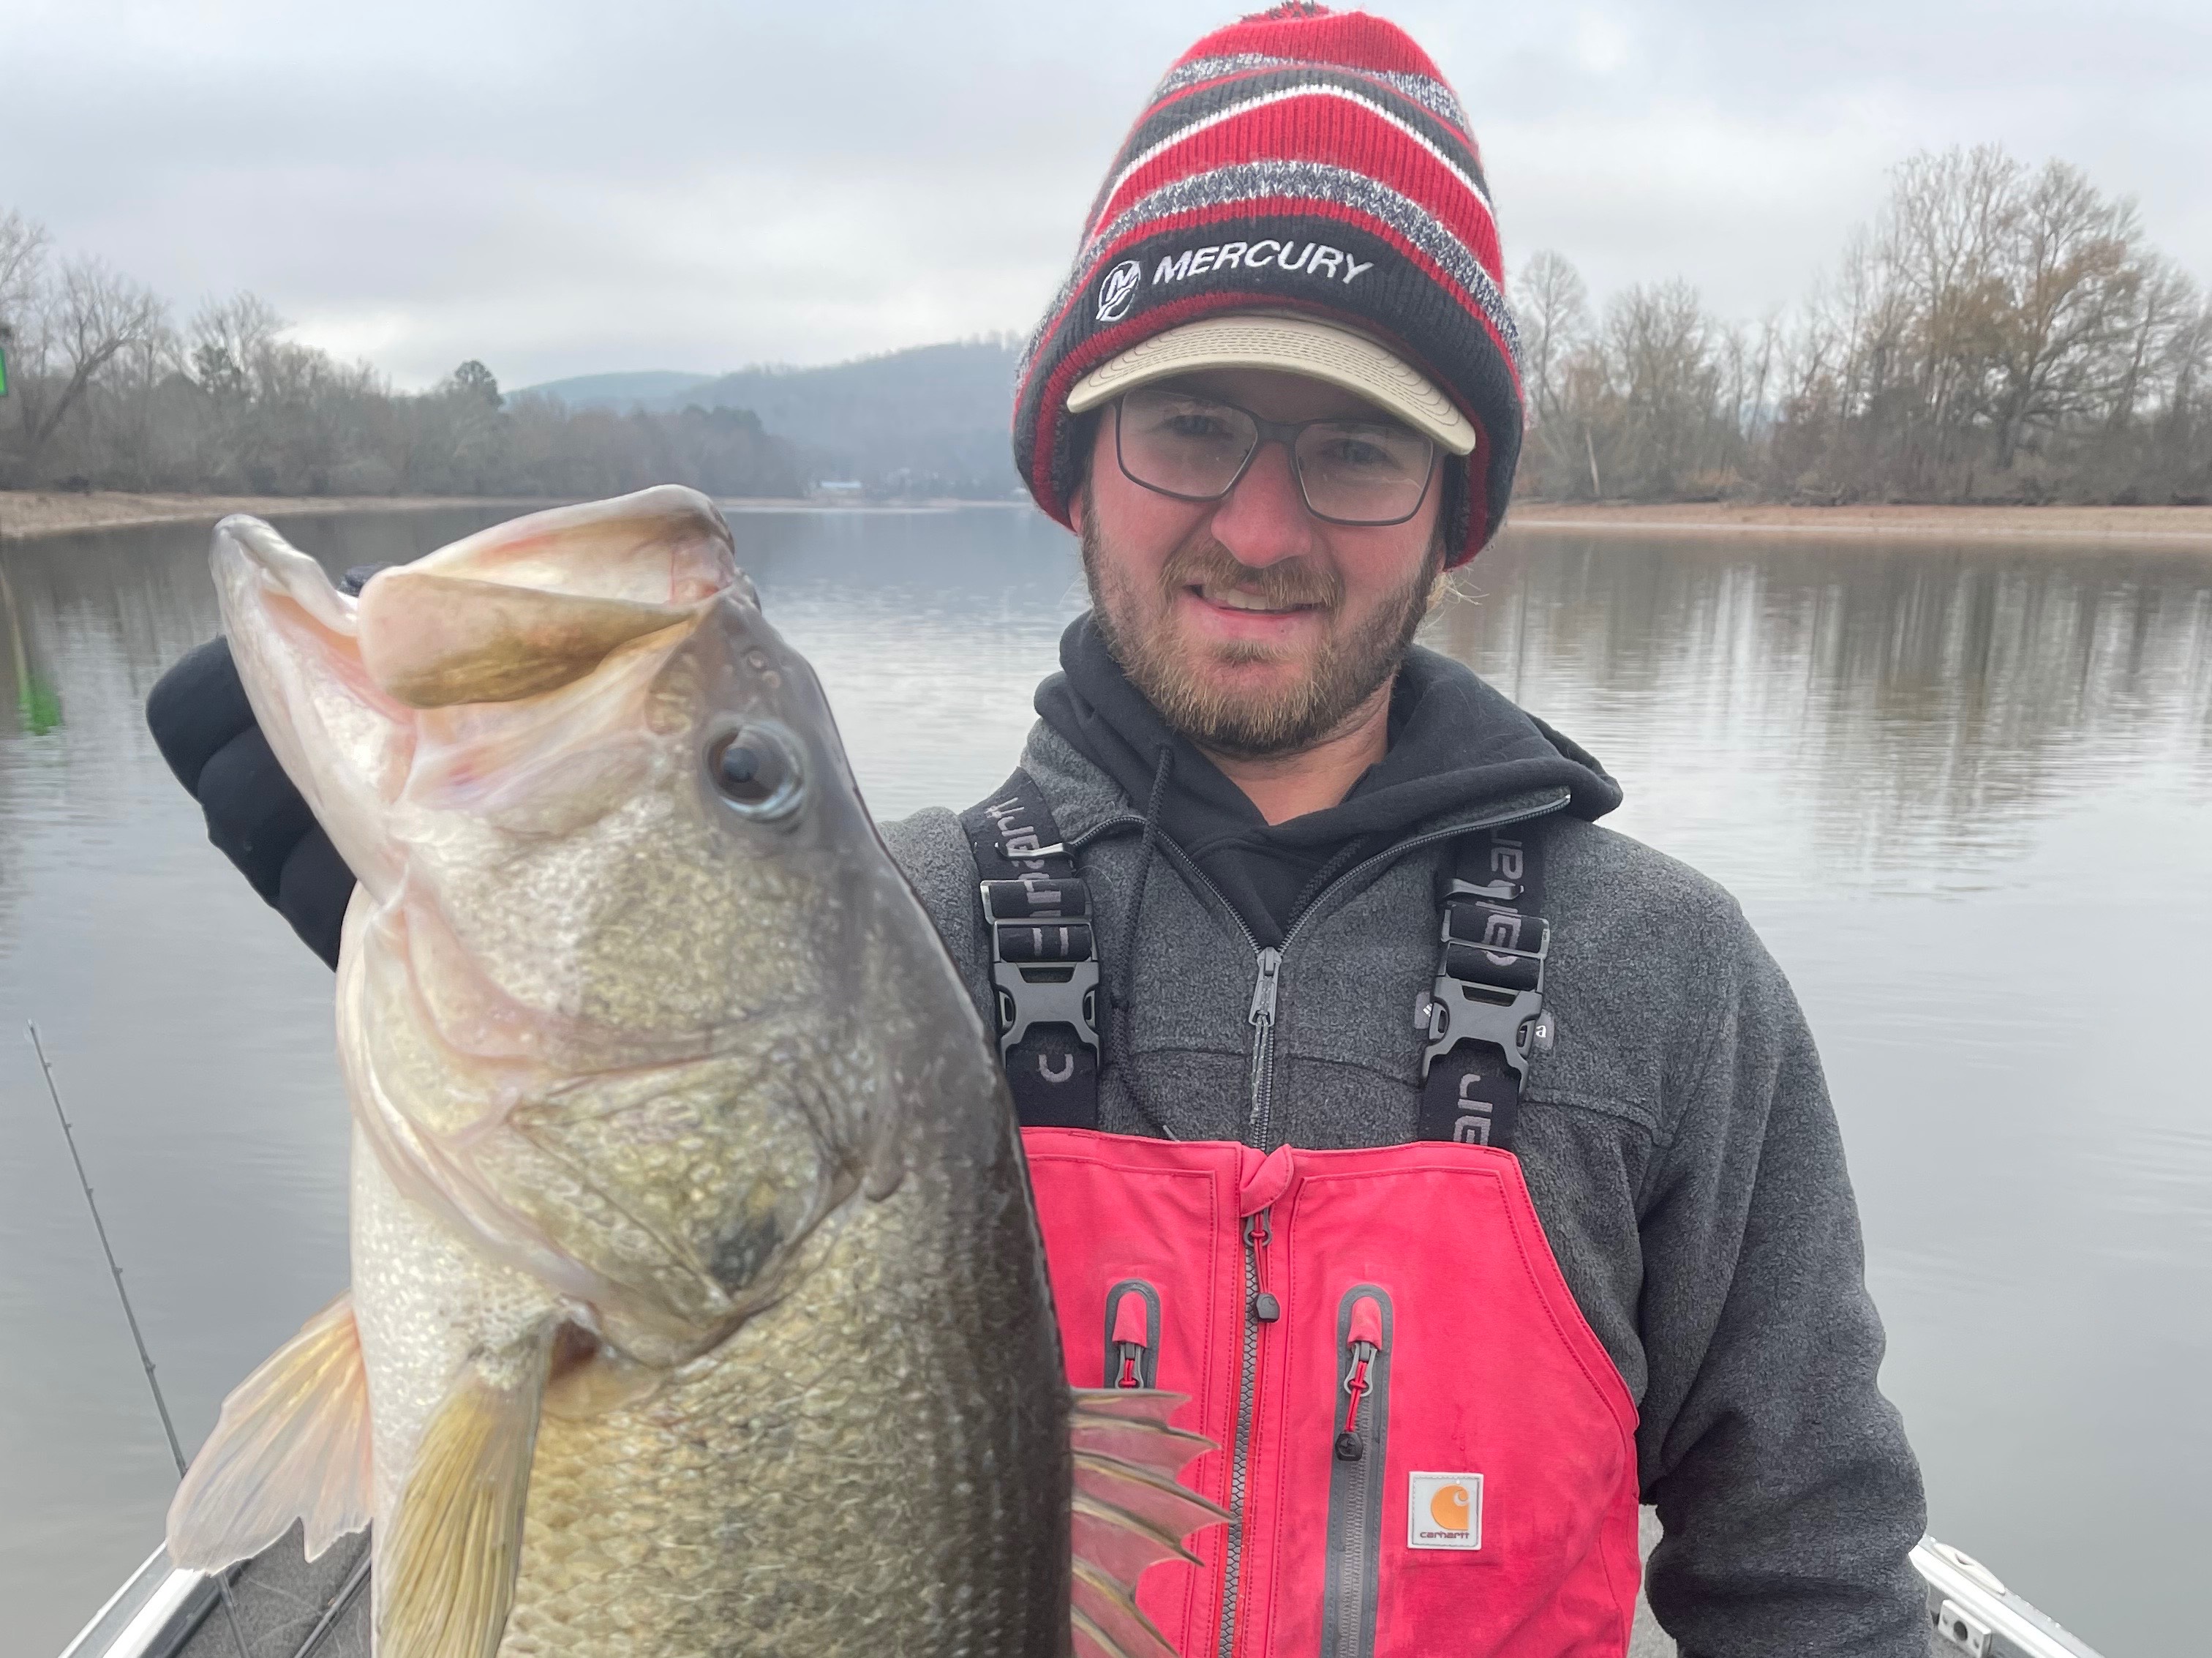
{"x":560,"y":187}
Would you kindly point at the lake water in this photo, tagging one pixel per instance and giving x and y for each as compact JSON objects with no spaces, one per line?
{"x":1965,"y":794}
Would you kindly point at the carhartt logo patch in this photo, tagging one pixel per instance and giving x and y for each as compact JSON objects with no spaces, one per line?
{"x":1119,"y":289}
{"x":1445,"y":1512}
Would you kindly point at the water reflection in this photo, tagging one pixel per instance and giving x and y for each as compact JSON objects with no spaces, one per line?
{"x":1913,"y":764}
{"x":1867,"y":714}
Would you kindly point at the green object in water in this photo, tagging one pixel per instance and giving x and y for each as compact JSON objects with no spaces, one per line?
{"x":37,"y":702}
{"x":39,"y":705}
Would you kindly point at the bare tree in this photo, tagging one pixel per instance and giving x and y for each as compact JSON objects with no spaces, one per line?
{"x":229,"y":340}
{"x":84,"y":321}
{"x":2071,"y":278}
{"x":1660,"y":348}
{"x":1553,"y":309}
{"x":2166,"y":302}
{"x":1939,"y":245}
{"x":23,"y":246}
{"x":23,"y":249}
{"x":1553,"y":312}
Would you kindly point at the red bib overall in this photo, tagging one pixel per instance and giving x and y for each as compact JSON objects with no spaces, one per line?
{"x":1423,"y":1447}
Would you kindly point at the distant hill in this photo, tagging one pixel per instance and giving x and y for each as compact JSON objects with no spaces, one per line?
{"x":929,"y":421}
{"x":620,"y":392}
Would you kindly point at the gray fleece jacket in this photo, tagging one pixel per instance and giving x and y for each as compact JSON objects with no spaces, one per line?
{"x":1677,"y":1139}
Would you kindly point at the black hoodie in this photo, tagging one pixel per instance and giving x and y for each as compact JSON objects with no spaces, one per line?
{"x":1454,"y":742}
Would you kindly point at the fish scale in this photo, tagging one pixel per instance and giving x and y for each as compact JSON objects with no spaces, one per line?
{"x":732,"y":1462}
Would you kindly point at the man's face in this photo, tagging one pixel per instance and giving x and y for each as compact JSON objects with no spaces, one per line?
{"x":1254,"y":627}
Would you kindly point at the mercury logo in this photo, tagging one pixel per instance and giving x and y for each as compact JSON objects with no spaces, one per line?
{"x":1314,"y":259}
{"x":1119,"y":291}
{"x":1445,"y":1512}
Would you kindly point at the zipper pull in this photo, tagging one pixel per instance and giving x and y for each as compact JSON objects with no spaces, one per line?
{"x":1263,"y":987}
{"x":1348,"y":1447}
{"x":1266,"y":1309}
{"x":1130,"y":1337}
{"x":1363,"y":1343}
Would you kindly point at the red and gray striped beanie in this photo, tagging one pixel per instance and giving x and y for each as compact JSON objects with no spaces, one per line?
{"x":1299,"y":160}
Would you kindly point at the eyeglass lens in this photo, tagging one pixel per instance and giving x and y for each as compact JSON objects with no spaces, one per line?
{"x":1351,"y":472}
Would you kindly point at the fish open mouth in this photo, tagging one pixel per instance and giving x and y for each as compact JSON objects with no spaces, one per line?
{"x":516,"y":610}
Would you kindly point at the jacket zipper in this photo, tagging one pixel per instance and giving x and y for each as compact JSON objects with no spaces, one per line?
{"x":1263,"y":1045}
{"x":1265,"y":984}
{"x":1261,"y":1308}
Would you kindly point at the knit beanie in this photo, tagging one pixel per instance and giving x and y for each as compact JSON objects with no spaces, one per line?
{"x":1304,"y":160}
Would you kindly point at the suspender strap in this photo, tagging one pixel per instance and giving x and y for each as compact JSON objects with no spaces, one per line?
{"x":1486,"y":1007}
{"x":1044,"y":957}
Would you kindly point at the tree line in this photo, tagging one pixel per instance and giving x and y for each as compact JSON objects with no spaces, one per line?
{"x":105,"y":390}
{"x":1999,"y":332}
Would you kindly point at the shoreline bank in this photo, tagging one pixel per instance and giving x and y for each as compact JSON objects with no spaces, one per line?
{"x":25,"y":513}
{"x":2179,"y":526}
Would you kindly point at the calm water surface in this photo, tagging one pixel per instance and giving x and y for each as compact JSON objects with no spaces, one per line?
{"x":1965,"y":794}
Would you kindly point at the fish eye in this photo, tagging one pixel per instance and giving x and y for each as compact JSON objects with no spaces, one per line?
{"x":756,"y":768}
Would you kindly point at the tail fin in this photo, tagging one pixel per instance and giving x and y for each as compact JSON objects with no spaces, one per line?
{"x":292,"y":1443}
{"x":1129,"y":1512}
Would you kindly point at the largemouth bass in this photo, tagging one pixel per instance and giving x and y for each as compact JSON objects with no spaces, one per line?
{"x":697,"y":1302}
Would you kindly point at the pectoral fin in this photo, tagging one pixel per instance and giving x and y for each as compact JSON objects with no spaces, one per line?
{"x":1129,"y":1514}
{"x":445,"y":1576}
{"x":292,"y":1443}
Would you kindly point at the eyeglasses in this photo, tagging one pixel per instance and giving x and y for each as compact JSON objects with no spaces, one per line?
{"x":1196,"y":449}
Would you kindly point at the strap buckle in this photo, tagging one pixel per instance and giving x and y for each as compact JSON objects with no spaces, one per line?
{"x":1051,"y":979}
{"x":1455,"y":1008}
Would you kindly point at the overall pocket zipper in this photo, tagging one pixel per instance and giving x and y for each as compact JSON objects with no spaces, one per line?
{"x":1133,"y":1335}
{"x":1358,"y":1448}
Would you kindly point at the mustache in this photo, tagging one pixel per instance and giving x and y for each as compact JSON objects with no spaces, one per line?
{"x":1287,"y":582}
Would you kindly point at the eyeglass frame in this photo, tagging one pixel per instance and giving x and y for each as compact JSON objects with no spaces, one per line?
{"x":1287,"y":434}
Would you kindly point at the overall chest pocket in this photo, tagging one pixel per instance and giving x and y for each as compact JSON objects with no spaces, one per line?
{"x":1456,"y":1450}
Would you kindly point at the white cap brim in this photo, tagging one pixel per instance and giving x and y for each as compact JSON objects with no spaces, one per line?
{"x":1297,"y":344}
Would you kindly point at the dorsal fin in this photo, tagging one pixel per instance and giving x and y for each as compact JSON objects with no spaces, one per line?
{"x":1129,"y":1512}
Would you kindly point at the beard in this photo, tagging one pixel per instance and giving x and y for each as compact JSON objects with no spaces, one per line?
{"x":1357,"y":657}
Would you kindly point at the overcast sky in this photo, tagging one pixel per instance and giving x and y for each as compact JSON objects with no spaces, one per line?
{"x":559,"y":187}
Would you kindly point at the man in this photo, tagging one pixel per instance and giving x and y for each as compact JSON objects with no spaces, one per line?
{"x":1290,"y":931}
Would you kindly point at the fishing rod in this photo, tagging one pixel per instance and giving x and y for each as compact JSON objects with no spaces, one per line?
{"x":146,"y":1359}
